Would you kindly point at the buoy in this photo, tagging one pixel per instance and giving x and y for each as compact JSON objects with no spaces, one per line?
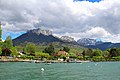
{"x":42,"y":69}
{"x":96,"y":64}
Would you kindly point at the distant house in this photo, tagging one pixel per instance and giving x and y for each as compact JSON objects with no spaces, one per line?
{"x":61,"y":55}
{"x":22,"y":53}
{"x":6,"y":52}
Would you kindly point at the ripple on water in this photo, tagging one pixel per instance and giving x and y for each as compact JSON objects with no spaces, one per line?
{"x":60,"y":71}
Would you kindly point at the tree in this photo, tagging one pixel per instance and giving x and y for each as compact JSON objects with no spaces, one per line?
{"x":0,"y":50}
{"x":114,"y":52}
{"x":97,"y":52}
{"x":0,"y":32}
{"x":30,"y":49}
{"x":66,"y":49}
{"x":87,"y":52}
{"x":6,"y":52}
{"x":72,"y":55}
{"x":8,"y":42}
{"x":19,"y":48}
{"x":118,"y":50}
{"x":42,"y":55}
{"x":83,"y":53}
{"x":14,"y":52}
{"x":63,"y":56}
{"x":106,"y":54}
{"x":50,"y":49}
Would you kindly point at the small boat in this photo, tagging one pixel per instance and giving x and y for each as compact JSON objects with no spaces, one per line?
{"x":48,"y":64}
{"x":42,"y":69}
{"x":36,"y":61}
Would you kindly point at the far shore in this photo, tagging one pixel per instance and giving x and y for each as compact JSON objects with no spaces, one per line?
{"x":49,"y":61}
{"x":39,"y":61}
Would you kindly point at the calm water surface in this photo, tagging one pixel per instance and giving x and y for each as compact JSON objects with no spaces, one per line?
{"x":60,"y":71}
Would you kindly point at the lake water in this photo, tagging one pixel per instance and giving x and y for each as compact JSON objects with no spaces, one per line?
{"x":60,"y":71}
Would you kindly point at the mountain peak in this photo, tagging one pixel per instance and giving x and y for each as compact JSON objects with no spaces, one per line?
{"x":67,"y":38}
{"x":40,"y":31}
{"x":36,"y":36}
{"x":88,"y":41}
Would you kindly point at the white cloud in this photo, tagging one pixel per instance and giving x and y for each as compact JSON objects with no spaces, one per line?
{"x":63,"y":17}
{"x":112,"y":38}
{"x":94,"y":33}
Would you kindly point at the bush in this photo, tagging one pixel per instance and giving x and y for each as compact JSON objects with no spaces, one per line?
{"x":98,"y":58}
{"x":42,"y":55}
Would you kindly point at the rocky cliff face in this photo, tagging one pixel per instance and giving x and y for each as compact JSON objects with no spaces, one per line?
{"x":67,"y":39}
{"x":40,"y":31}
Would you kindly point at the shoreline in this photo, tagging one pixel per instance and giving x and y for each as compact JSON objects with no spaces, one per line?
{"x":39,"y":61}
{"x":9,"y":59}
{"x":34,"y":61}
{"x":49,"y":61}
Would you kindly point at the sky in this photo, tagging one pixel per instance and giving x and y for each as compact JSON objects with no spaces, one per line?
{"x":96,"y":19}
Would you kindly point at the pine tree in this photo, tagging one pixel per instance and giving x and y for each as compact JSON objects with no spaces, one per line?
{"x":0,"y":32}
{"x":8,"y":42}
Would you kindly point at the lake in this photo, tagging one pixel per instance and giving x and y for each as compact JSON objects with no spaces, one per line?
{"x":60,"y":71}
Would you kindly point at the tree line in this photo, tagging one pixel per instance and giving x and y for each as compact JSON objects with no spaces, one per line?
{"x":48,"y":52}
{"x":112,"y":54}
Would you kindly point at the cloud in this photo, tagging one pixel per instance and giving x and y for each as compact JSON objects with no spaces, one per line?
{"x":112,"y":38}
{"x":90,"y":33}
{"x":63,"y":17}
{"x":94,"y":33}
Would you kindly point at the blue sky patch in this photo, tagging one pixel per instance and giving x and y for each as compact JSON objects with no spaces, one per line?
{"x":12,"y":34}
{"x":89,"y":0}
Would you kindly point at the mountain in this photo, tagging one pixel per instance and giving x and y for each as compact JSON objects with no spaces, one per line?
{"x":36,"y":36}
{"x":104,"y":45}
{"x":67,"y":39}
{"x":39,"y":36}
{"x":88,"y":41}
{"x":92,"y":43}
